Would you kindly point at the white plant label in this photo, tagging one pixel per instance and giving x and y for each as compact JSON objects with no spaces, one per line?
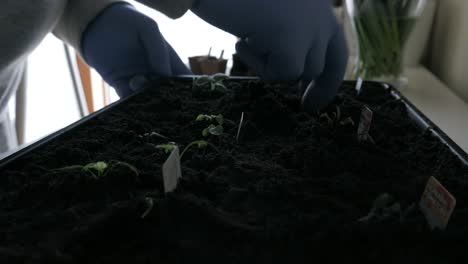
{"x":172,"y":171}
{"x":365,"y":124}
{"x":437,"y":204}
{"x":359,"y":85}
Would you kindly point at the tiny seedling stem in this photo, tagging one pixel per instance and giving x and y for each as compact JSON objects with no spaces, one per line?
{"x":150,"y":204}
{"x":200,"y":144}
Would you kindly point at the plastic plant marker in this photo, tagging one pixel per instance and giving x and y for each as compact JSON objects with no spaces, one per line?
{"x":172,"y":171}
{"x":240,"y":127}
{"x":365,"y":124}
{"x":437,"y":204}
{"x":359,"y":85}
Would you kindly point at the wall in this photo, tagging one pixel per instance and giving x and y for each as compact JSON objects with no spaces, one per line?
{"x":448,"y":57}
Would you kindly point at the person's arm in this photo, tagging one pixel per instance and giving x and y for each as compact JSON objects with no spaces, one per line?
{"x":77,"y":15}
{"x":122,"y":44}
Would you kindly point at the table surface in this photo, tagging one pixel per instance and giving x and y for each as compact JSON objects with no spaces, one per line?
{"x":438,"y":103}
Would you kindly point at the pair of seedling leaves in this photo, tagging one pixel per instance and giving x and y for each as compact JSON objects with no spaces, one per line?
{"x":99,"y":169}
{"x":214,"y":82}
{"x":335,"y":119}
{"x":215,"y":129}
{"x":386,"y":207}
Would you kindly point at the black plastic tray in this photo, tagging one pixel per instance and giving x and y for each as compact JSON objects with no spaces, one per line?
{"x":420,"y":119}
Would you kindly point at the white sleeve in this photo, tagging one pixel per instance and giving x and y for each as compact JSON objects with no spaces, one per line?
{"x":76,"y":17}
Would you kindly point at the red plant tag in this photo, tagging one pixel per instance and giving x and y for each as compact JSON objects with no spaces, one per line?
{"x":437,"y":204}
{"x":365,"y":124}
{"x":172,"y":171}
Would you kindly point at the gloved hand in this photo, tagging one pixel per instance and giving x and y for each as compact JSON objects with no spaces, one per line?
{"x":124,"y":46}
{"x":285,"y":40}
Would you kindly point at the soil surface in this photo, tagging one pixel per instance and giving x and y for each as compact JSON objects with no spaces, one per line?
{"x":294,"y":188}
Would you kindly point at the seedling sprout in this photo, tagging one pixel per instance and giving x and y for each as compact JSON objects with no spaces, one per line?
{"x":150,"y":204}
{"x":215,"y":82}
{"x":168,"y":147}
{"x":336,"y":118}
{"x":212,"y":129}
{"x":200,"y":144}
{"x":98,"y":169}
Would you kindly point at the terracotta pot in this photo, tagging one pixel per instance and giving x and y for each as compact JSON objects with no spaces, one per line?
{"x":207,"y":65}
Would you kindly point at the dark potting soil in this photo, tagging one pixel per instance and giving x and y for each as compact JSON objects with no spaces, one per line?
{"x":294,"y":189}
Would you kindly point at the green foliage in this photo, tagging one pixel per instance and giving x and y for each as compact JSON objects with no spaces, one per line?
{"x":214,"y":82}
{"x":212,"y":129}
{"x":97,"y":169}
{"x":218,"y":118}
{"x":215,"y":129}
{"x":168,"y":147}
{"x":200,"y":144}
{"x":382,"y":29}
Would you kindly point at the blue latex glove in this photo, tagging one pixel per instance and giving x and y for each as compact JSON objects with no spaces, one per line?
{"x":285,"y":40}
{"x":124,"y":46}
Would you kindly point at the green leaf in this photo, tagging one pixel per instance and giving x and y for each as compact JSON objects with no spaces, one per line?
{"x":99,"y":167}
{"x":216,"y":130}
{"x":219,"y":77}
{"x":206,"y":132}
{"x":213,"y":86}
{"x":200,"y":117}
{"x":201,"y":143}
{"x":168,"y":147}
{"x":220,"y":119}
{"x":219,"y":87}
{"x":202,"y":80}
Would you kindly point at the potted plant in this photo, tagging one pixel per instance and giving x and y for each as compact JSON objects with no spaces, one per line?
{"x":208,"y":65}
{"x":382,"y":28}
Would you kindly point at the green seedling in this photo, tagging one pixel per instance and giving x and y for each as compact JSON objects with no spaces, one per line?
{"x":149,"y":206}
{"x":200,"y":144}
{"x":168,"y":147}
{"x":336,"y":119}
{"x":153,"y":134}
{"x":215,"y":82}
{"x":385,"y":207}
{"x":212,"y":129}
{"x":218,"y":118}
{"x":98,"y":169}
